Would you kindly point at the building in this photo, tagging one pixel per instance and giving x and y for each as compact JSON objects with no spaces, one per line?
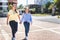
{"x":12,"y":1}
{"x":3,"y":6}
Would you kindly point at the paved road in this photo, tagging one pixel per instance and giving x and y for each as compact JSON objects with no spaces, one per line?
{"x":52,"y":19}
{"x":39,"y":30}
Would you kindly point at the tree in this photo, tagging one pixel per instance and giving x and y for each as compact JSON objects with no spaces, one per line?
{"x":48,"y":4}
{"x":58,"y":5}
{"x":55,"y":1}
{"x":48,"y":7}
{"x":21,"y":6}
{"x":9,"y":6}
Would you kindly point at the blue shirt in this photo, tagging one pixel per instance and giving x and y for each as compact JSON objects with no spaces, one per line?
{"x":26,"y":18}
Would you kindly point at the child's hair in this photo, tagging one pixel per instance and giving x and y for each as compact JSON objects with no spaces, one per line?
{"x":26,"y":8}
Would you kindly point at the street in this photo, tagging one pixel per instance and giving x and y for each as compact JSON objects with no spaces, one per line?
{"x":46,"y":28}
{"x":52,"y":19}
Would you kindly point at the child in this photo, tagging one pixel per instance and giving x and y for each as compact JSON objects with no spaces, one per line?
{"x":26,"y":19}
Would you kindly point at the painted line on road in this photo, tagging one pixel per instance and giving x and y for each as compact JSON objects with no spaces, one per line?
{"x":5,"y":35}
{"x":50,"y":29}
{"x":47,"y":28}
{"x":55,"y":31}
{"x":0,"y":26}
{"x":43,"y":28}
{"x":30,"y":31}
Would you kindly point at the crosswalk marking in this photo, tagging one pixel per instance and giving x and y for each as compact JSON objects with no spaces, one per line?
{"x":50,"y":29}
{"x":5,"y":35}
{"x":0,"y":26}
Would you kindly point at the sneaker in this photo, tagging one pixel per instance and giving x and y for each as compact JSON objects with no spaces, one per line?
{"x":26,"y":38}
{"x":13,"y":38}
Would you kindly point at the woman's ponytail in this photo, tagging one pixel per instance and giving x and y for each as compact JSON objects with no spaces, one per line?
{"x":15,"y":10}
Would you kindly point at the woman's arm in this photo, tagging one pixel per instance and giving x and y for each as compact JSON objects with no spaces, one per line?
{"x":7,"y":19}
{"x":8,"y":16}
{"x":19,"y":17}
{"x":22,"y":18}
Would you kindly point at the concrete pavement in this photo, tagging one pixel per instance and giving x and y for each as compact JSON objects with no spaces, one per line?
{"x":39,"y":30}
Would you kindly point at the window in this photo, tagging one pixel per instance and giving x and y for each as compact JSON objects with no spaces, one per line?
{"x":0,"y":8}
{"x":5,"y":9}
{"x":5,"y":3}
{"x":0,"y":3}
{"x":4,"y":0}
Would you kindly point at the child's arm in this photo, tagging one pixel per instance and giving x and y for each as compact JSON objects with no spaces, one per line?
{"x":31,"y":18}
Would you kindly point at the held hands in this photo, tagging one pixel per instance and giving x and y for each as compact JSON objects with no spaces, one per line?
{"x":7,"y":23}
{"x":20,"y":22}
{"x":31,"y":23}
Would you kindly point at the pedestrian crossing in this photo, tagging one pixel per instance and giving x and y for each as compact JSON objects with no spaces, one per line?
{"x":49,"y":29}
{"x":6,"y":36}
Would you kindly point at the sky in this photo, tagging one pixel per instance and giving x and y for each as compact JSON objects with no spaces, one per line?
{"x":23,"y":2}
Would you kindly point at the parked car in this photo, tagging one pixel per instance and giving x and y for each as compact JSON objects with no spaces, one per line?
{"x":20,"y":12}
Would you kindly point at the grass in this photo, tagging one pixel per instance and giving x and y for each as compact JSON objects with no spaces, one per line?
{"x":40,"y":14}
{"x":58,"y":16}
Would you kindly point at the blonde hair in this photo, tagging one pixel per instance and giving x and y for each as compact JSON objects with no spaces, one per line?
{"x":27,"y":7}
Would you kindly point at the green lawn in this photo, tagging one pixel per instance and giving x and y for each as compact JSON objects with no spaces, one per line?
{"x":58,"y":16}
{"x":40,"y":14}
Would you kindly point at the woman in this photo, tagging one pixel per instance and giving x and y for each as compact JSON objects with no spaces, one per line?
{"x":26,"y":19}
{"x":12,"y":18}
